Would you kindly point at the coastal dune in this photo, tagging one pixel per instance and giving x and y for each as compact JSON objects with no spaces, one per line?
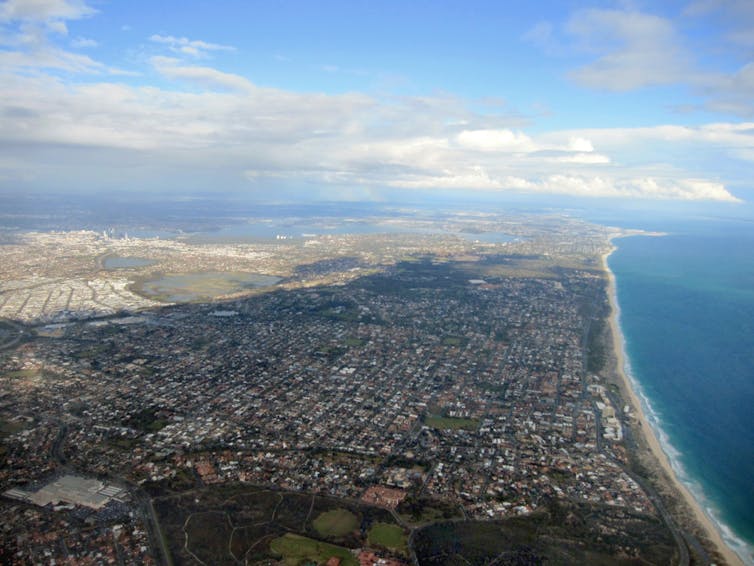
{"x":648,"y":432}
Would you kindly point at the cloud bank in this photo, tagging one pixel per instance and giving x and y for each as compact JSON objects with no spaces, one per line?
{"x":202,"y":121}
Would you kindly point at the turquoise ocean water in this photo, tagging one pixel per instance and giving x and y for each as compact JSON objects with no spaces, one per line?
{"x":687,"y":314}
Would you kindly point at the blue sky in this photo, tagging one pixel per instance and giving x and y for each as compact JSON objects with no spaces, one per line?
{"x":367,"y":99}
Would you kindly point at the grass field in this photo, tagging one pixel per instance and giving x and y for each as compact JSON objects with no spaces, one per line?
{"x":335,"y":523}
{"x":451,"y":423}
{"x":23,"y":374}
{"x":236,"y":523}
{"x":296,"y":549}
{"x":389,"y":536}
{"x":10,"y":427}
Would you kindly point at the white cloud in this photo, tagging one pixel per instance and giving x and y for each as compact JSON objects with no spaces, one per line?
{"x":234,"y":128}
{"x":474,"y":178}
{"x":583,"y":186}
{"x":337,"y":141}
{"x":204,"y":76}
{"x":730,"y":93}
{"x":642,"y":187}
{"x":580,"y":144}
{"x":48,"y":57}
{"x":496,"y":140}
{"x":185,"y":46}
{"x":106,"y":132}
{"x":627,"y":49}
{"x":724,"y":136}
{"x":575,"y":150}
{"x":584,"y":159}
{"x":634,"y":50}
{"x":736,"y":15}
{"x":32,"y":28}
{"x":84,"y":43}
{"x":44,"y":10}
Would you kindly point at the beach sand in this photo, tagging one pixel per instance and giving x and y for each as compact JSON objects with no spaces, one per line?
{"x":648,"y":433}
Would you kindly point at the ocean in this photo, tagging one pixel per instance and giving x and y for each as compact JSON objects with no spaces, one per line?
{"x":687,"y":315}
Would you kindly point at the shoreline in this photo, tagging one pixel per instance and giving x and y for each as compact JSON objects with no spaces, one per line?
{"x":648,"y":433}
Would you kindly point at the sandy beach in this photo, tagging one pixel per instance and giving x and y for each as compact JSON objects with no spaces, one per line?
{"x":649,"y":435}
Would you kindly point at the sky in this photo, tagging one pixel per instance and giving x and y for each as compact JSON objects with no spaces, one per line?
{"x":374,"y":100}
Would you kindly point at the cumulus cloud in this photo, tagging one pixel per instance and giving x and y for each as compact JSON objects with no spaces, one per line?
{"x":584,"y":158}
{"x":576,"y":150}
{"x":642,"y":187}
{"x":580,"y":144}
{"x":725,"y":136}
{"x":497,"y":141}
{"x":583,"y":186}
{"x":100,"y":131}
{"x":339,"y":141}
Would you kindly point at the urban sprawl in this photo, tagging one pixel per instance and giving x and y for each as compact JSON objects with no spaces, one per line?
{"x":381,"y":368}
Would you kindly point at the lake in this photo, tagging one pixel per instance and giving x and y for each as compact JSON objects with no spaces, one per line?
{"x":187,"y":287}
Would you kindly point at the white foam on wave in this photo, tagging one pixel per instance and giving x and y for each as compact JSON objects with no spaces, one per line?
{"x":744,"y":550}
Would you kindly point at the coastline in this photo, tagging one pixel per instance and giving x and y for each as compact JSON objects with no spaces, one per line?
{"x":648,"y":432}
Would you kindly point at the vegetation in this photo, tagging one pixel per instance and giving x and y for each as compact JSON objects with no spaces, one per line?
{"x":330,"y":353}
{"x":424,"y":510}
{"x":598,"y":349}
{"x":246,"y":521}
{"x":562,"y":532}
{"x":183,"y":480}
{"x":451,"y":423}
{"x":9,"y":427}
{"x":207,"y":535}
{"x":454,"y":341}
{"x":124,"y":443}
{"x":355,"y":342}
{"x":335,"y":523}
{"x":293,"y":511}
{"x":23,"y":374}
{"x":296,"y":549}
{"x":250,"y":544}
{"x":147,"y":420}
{"x":388,"y":536}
